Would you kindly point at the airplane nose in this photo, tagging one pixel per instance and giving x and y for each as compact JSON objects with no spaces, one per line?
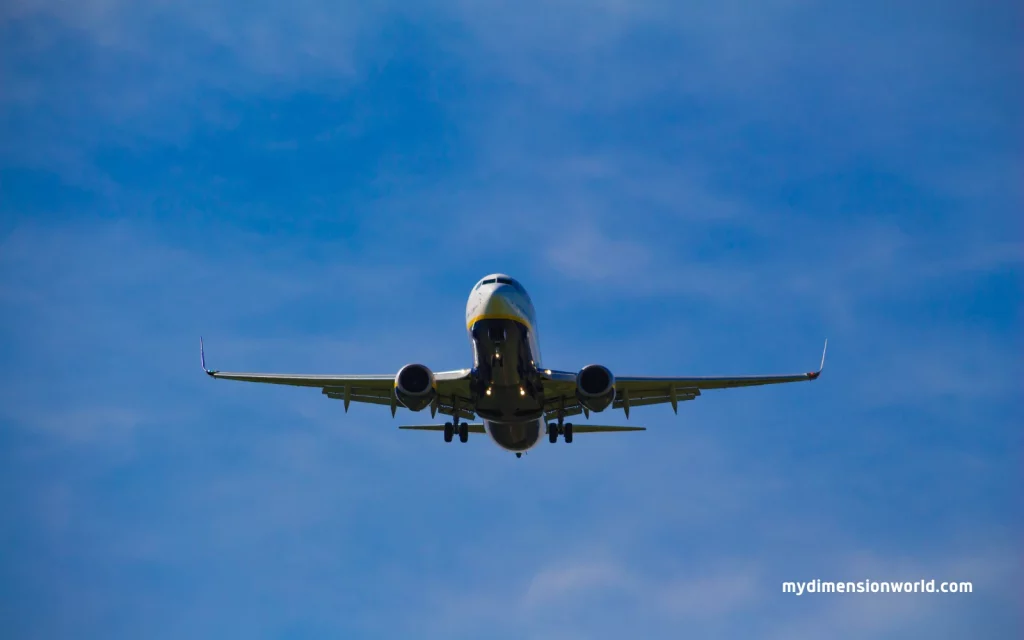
{"x":497,"y":304}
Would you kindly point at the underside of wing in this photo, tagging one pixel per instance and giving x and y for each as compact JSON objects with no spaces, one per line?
{"x":452,"y":387}
{"x":632,"y":391}
{"x":472,"y":428}
{"x":597,"y":428}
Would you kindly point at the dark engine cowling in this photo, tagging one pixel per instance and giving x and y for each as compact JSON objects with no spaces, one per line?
{"x":414,"y":386}
{"x":595,"y":387}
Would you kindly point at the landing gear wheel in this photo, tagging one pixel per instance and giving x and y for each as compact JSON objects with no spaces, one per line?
{"x":463,"y":433}
{"x":552,"y":432}
{"x":519,"y":454}
{"x":568,"y":432}
{"x":448,"y":432}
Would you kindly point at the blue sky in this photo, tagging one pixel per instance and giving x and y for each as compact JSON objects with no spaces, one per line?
{"x":683,"y":190}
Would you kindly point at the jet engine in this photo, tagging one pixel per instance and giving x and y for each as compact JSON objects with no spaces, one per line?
{"x":595,"y":387}
{"x":414,"y":386}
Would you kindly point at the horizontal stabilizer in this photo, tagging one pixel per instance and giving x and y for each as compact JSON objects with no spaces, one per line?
{"x":596,"y":428}
{"x":473,"y":428}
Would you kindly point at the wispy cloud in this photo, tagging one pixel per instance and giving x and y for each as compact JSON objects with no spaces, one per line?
{"x":722,"y":593}
{"x":588,"y":256}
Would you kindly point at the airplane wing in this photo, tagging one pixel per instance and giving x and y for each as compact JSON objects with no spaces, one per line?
{"x":597,"y":428}
{"x":453,"y":392}
{"x":631,"y":391}
{"x":471,"y":428}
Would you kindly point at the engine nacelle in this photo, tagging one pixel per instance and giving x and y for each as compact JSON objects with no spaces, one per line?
{"x":595,"y":387}
{"x":414,"y":387}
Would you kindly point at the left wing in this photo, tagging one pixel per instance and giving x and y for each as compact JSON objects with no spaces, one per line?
{"x":453,"y":393}
{"x":470,"y":428}
{"x":560,"y":389}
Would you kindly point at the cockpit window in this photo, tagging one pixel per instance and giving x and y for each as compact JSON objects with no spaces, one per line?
{"x":512,"y":283}
{"x":509,"y":281}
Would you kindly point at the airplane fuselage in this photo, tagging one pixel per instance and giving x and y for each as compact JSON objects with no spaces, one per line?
{"x":507,"y":391}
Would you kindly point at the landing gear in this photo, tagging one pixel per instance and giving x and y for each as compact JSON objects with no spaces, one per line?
{"x":451,"y":428}
{"x":554,"y":429}
{"x":519,"y":454}
{"x":560,"y":427}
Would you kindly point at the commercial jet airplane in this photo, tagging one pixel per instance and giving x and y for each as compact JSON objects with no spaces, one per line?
{"x":518,"y":399}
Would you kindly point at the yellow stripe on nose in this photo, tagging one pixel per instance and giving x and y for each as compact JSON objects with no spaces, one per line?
{"x":498,"y":316}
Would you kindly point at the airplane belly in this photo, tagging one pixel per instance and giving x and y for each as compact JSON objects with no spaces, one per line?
{"x":515,"y":436}
{"x":503,"y":350}
{"x":507,"y":393}
{"x":505,"y":373}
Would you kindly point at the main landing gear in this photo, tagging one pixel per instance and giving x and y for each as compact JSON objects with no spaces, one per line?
{"x":554,"y":430}
{"x":451,"y":429}
{"x":560,"y":427}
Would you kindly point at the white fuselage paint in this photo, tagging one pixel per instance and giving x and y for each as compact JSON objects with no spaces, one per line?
{"x":505,"y":301}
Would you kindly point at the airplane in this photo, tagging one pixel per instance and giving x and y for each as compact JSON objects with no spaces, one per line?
{"x":517,"y":398}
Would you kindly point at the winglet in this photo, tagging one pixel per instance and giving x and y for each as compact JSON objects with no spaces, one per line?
{"x":202,"y":358}
{"x":813,"y":375}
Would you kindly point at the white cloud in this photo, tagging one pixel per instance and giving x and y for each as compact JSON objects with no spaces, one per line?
{"x":717,"y":596}
{"x":105,"y":425}
{"x":583,"y":253}
{"x":573,"y":583}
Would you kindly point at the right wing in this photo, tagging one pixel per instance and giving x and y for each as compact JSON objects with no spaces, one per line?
{"x":636,"y":391}
{"x":597,"y":428}
{"x":453,"y":392}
